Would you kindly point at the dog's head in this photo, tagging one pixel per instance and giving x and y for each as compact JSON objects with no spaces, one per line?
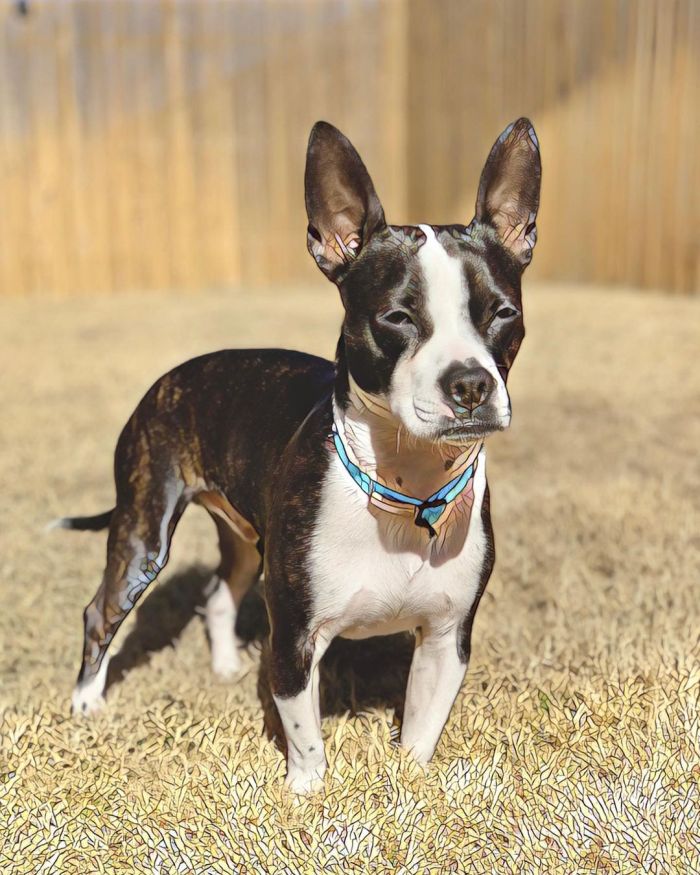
{"x":433,"y":315}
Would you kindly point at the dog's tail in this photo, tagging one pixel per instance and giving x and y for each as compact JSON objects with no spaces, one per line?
{"x":83,"y":523}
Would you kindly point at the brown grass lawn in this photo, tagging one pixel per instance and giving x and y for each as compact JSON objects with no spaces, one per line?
{"x":575,"y":745}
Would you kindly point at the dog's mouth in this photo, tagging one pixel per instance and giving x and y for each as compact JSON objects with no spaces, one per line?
{"x":437,"y":425}
{"x":473,"y":428}
{"x":480,"y":424}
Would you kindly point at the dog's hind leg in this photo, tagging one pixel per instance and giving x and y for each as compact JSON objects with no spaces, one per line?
{"x":137,"y":550}
{"x":237,"y":572}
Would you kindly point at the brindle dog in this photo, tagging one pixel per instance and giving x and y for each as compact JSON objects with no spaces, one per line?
{"x":360,"y":485}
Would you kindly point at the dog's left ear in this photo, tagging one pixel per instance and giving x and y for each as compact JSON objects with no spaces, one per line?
{"x":341,"y":203}
{"x":509,"y":189}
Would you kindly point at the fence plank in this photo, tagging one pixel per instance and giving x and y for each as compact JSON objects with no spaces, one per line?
{"x":160,"y":144}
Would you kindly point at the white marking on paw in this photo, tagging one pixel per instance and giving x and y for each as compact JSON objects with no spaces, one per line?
{"x":89,"y":697}
{"x":301,"y":719}
{"x":434,"y":681}
{"x":220,"y":617}
{"x":305,"y":781}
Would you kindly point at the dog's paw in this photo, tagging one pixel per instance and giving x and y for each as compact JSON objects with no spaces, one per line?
{"x":88,"y":695}
{"x":226,"y":664}
{"x":305,"y":781}
{"x":421,"y":752}
{"x":86,"y":700}
{"x":229,"y":659}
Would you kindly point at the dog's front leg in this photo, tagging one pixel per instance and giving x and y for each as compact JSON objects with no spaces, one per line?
{"x":433,"y":683}
{"x":295,"y":689}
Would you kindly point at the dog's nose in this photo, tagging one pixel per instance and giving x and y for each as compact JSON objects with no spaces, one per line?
{"x":466,"y":386}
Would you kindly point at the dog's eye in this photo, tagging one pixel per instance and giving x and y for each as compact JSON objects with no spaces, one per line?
{"x":397,"y":317}
{"x":506,"y":313}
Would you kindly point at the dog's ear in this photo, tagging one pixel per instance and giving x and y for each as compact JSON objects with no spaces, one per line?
{"x":509,"y":189}
{"x":341,"y":203}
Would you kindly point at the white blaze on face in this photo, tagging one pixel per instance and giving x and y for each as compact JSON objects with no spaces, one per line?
{"x":416,"y":397}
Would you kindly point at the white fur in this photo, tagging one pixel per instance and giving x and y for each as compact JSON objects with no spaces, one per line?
{"x":433,"y":683}
{"x":220,"y":617}
{"x":301,"y":719}
{"x":173,"y":494}
{"x":89,"y":697}
{"x":60,"y":523}
{"x":416,"y":398}
{"x":374,"y":573}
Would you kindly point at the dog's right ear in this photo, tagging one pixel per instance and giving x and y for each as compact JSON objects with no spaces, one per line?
{"x":341,"y":204}
{"x":509,"y":189}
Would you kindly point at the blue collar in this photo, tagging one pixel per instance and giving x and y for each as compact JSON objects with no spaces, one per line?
{"x":428,"y":511}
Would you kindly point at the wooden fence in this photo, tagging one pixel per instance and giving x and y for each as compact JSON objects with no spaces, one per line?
{"x":148,"y":144}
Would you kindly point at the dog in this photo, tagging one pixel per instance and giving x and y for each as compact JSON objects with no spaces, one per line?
{"x":357,"y":488}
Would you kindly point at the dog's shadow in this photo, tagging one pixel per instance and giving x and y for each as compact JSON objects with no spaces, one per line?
{"x":355,"y":675}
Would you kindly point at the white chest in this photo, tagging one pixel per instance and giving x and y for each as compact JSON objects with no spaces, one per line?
{"x":373,"y":573}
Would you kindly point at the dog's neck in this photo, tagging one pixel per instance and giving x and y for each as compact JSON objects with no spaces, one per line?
{"x":385,"y":451}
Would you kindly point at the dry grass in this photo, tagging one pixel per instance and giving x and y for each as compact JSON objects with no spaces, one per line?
{"x":575,"y":745}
